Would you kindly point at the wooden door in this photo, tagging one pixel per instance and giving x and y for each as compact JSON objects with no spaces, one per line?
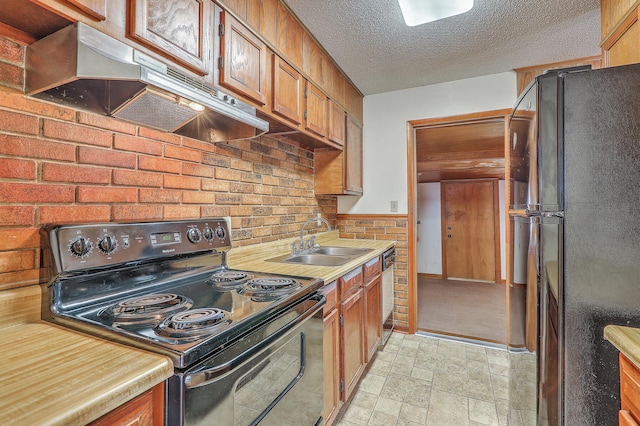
{"x":243,"y":60}
{"x":352,"y":342}
{"x":177,"y":29}
{"x":469,"y":230}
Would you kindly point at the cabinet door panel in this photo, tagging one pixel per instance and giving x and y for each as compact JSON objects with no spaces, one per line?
{"x":337,"y":123}
{"x":287,"y":91}
{"x":352,"y":342}
{"x":268,"y":11}
{"x":353,"y":161}
{"x":244,"y":58}
{"x":316,"y":117}
{"x":178,"y":29}
{"x":312,"y":58}
{"x":331,"y":365}
{"x":373,"y":320}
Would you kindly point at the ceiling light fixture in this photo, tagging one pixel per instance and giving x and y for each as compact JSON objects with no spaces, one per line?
{"x":417,"y":12}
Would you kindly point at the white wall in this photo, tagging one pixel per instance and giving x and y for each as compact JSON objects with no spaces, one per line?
{"x":385,"y":132}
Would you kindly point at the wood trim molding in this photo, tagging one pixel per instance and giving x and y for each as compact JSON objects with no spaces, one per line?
{"x":496,"y":229}
{"x":459,"y":119}
{"x":412,"y":233}
{"x":15,"y":34}
{"x":346,"y":216}
{"x":620,"y":29}
{"x":443,"y":234}
{"x":437,"y":276}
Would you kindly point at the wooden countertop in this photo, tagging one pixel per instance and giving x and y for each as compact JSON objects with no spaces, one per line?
{"x":55,"y":376}
{"x":626,"y":339}
{"x":255,"y":258}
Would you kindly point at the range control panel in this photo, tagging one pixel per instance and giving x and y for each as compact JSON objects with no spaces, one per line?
{"x":77,"y":247}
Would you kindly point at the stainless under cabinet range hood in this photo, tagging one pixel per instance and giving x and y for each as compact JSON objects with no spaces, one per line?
{"x":83,"y":68}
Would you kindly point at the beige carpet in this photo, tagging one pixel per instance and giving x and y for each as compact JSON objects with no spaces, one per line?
{"x":474,"y":310}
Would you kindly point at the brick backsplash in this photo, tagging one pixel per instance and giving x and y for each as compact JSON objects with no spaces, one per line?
{"x":61,"y":165}
{"x":384,"y":227}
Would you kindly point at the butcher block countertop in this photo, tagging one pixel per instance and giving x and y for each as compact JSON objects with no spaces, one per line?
{"x":255,"y":257}
{"x":626,"y":339}
{"x":50,"y":375}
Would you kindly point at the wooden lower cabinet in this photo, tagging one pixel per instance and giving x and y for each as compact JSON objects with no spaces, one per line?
{"x":352,"y":341}
{"x":629,"y":392}
{"x":373,"y":317}
{"x":331,"y":353}
{"x":146,"y":409}
{"x":352,"y":332}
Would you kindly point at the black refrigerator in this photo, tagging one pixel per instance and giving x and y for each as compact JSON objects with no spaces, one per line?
{"x":574,"y":171}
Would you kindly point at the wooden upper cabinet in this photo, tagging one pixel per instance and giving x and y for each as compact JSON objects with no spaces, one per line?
{"x":353,"y":158}
{"x":312,"y":59}
{"x":177,"y":29}
{"x":337,"y":123}
{"x":316,"y":110}
{"x":287,"y":91}
{"x":243,"y":60}
{"x":290,"y":34}
{"x":353,"y":102}
{"x":334,"y":81}
{"x":239,"y":7}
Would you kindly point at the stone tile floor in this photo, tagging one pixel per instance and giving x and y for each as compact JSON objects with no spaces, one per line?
{"x":420,"y":380}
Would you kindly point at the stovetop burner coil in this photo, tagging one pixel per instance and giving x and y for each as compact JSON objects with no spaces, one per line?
{"x":193,"y":322}
{"x":147,"y":308}
{"x":269,"y":288}
{"x":226,"y":279}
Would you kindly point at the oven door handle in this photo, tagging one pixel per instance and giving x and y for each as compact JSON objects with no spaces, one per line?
{"x":203,"y":377}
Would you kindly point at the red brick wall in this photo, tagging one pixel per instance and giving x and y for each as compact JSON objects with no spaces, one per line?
{"x":62,"y":165}
{"x":384,"y":227}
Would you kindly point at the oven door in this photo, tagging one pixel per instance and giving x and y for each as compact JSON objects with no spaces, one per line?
{"x":273,"y":376}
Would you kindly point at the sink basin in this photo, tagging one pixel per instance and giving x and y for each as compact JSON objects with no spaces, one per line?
{"x":341,"y":251}
{"x":318,"y":259}
{"x":323,"y":256}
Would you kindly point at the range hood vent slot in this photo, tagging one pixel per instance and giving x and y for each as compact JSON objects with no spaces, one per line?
{"x":80,"y":67}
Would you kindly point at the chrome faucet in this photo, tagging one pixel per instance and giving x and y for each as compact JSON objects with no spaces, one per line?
{"x":311,"y":242}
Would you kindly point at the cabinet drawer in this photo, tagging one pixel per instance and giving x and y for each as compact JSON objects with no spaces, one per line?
{"x":372,"y":269}
{"x":331,"y":292}
{"x":629,"y":387}
{"x":350,"y":282}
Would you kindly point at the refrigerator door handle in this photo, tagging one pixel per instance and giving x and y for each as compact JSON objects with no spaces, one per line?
{"x":538,"y":213}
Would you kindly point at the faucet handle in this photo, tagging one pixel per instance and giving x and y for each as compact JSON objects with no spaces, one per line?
{"x":311,"y":243}
{"x":294,"y":248}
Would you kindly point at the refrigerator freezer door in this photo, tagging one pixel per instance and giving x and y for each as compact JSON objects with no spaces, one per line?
{"x":522,"y":161}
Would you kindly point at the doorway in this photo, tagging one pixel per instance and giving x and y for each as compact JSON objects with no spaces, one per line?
{"x":456,"y":196}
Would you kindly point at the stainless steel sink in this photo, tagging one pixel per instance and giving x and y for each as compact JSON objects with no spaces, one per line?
{"x":341,"y":251}
{"x":323,"y":256}
{"x":318,"y":259}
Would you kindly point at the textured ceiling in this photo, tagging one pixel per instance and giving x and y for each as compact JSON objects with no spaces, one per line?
{"x":370,"y":42}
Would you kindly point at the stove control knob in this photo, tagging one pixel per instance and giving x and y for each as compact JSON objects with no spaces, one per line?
{"x":80,"y":247}
{"x":221,"y":233}
{"x":207,"y":233}
{"x":108,"y":244}
{"x":194,"y":235}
